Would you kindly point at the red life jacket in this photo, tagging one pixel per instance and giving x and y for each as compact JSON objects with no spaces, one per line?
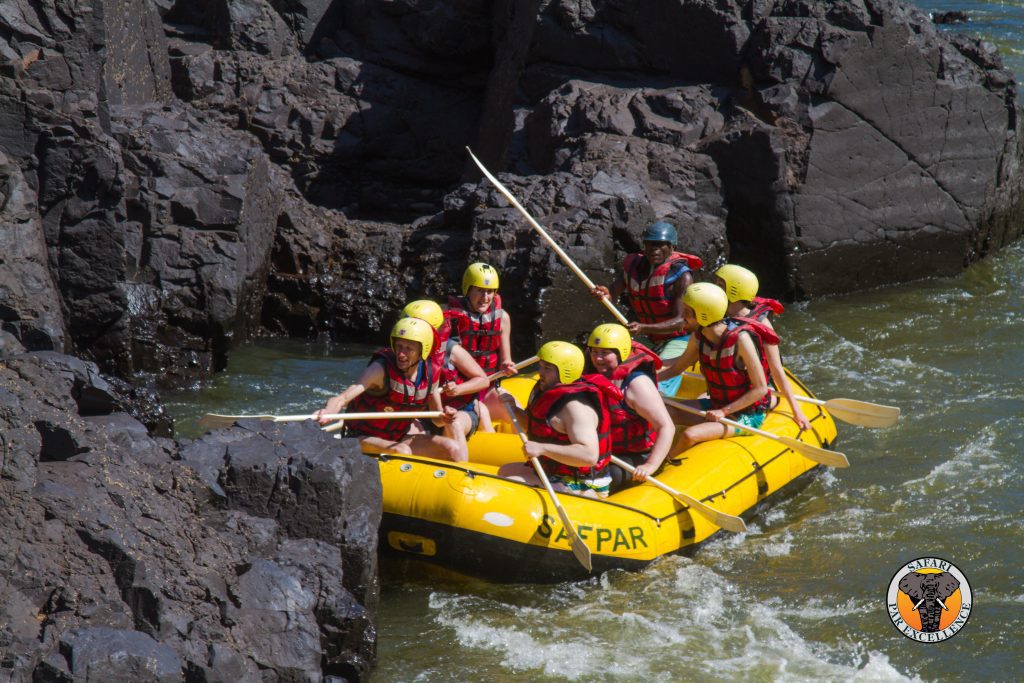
{"x":648,"y":296}
{"x":595,"y":391}
{"x":449,"y":373}
{"x":631,"y":433}
{"x":479,"y":333}
{"x":403,"y":394}
{"x":723,"y":370}
{"x":761,"y":308}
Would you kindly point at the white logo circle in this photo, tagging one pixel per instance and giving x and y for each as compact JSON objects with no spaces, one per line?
{"x":929,"y":600}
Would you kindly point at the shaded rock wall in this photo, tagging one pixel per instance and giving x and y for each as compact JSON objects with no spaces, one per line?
{"x":202,"y":171}
{"x":248,"y":554}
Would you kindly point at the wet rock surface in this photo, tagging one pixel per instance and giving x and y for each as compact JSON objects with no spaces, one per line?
{"x":299,"y":167}
{"x":248,"y":554}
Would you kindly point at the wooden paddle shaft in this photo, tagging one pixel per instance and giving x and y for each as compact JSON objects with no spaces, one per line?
{"x":547,"y":238}
{"x":519,"y":366}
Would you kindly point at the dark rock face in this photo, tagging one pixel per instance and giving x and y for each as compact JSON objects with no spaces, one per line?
{"x":249,"y":554}
{"x":297,"y":166}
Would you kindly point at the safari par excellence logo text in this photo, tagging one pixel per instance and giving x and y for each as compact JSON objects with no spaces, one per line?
{"x":929,"y":600}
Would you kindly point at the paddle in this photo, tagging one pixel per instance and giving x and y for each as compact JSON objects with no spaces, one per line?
{"x":547,"y":238}
{"x":716,"y":517}
{"x":819,"y":455}
{"x":214,"y":421}
{"x":519,"y":366}
{"x":849,"y":410}
{"x":579,"y":548}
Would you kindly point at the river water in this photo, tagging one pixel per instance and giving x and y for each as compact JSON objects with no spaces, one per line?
{"x":802,"y":595}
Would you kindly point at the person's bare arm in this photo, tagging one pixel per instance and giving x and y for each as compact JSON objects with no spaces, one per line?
{"x":677,"y":365}
{"x":474,"y":376}
{"x":758,"y":382}
{"x":372,"y":378}
{"x":580,"y":424}
{"x":783,"y":383}
{"x":613,"y":293}
{"x":434,"y":402}
{"x":642,"y":396}
{"x":505,"y":362}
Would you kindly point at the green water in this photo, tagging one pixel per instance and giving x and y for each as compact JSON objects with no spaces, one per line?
{"x":801,"y":596}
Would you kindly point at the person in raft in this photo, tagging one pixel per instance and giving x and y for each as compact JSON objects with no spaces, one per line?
{"x":462,"y":378}
{"x":642,"y":429}
{"x":654,"y":282}
{"x":730,"y":360}
{"x":405,"y":377}
{"x":740,"y":286}
{"x":484,"y":329}
{"x":567,"y":423}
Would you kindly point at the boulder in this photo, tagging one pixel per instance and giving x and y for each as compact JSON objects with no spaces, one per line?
{"x":121,"y":558}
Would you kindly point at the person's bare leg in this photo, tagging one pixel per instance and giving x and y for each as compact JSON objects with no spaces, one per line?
{"x":457,"y":432}
{"x":438,"y":447}
{"x":496,"y":408}
{"x":376,"y":444}
{"x":705,"y":431}
{"x":486,"y":425}
{"x":681,"y":417}
{"x":519,"y":471}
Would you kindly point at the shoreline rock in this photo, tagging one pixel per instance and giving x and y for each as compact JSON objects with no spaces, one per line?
{"x":249,"y":552}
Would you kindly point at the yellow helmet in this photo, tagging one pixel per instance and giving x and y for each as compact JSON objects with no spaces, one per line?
{"x":566,"y":357}
{"x":708,"y":302}
{"x":479,"y":275}
{"x":740,"y":283}
{"x":611,"y":336}
{"x":414,"y":329}
{"x":425,"y":309}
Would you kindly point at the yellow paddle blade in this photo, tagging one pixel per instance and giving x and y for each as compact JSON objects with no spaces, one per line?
{"x":862,"y":413}
{"x":819,"y":455}
{"x":579,"y":548}
{"x":716,"y":517}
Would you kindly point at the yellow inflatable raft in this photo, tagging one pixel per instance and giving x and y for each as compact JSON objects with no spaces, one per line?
{"x":465,"y":517}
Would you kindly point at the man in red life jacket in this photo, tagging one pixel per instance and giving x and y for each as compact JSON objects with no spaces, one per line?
{"x":740,"y":286}
{"x":642,"y":429}
{"x":654,"y":283}
{"x":484,"y":329}
{"x":730,"y":359}
{"x":567,"y":423}
{"x":405,"y":377}
{"x":462,"y":379}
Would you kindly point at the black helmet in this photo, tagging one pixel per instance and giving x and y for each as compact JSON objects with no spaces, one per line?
{"x":660,"y":232}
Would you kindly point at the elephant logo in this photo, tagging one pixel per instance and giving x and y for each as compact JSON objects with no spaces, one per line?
{"x":929,"y":600}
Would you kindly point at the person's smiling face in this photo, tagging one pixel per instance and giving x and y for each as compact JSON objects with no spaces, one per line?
{"x":605,"y":360}
{"x":657,"y":252}
{"x":480,"y":299}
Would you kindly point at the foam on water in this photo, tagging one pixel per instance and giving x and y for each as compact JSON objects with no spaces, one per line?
{"x":679,"y":620}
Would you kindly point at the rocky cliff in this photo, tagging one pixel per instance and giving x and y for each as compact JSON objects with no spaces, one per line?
{"x":181,"y":174}
{"x":248,"y":554}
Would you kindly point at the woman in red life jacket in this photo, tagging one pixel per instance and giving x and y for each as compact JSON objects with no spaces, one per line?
{"x":568,"y":425}
{"x":462,"y":379}
{"x":654,"y":282}
{"x":740,"y":286}
{"x":642,"y":429}
{"x":730,"y":359}
{"x":484,"y":329}
{"x":405,"y":377}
